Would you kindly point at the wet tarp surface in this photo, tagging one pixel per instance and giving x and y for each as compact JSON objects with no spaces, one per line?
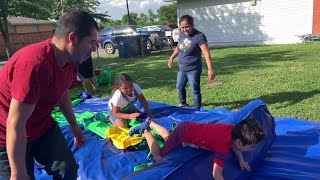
{"x":294,"y":153}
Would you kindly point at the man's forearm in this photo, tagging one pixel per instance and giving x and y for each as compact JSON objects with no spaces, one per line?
{"x":65,"y":106}
{"x":16,"y":150}
{"x":16,"y":140}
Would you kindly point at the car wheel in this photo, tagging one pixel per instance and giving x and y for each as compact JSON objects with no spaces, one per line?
{"x":149,"y":45}
{"x":158,"y":47}
{"x":109,"y":48}
{"x":169,"y":41}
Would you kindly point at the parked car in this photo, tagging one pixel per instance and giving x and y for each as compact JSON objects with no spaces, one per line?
{"x":175,"y":35}
{"x":107,"y":37}
{"x":171,"y":25}
{"x":168,"y":32}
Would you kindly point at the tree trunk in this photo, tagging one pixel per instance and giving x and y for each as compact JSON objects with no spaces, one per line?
{"x":4,"y":26}
{"x":7,"y":45}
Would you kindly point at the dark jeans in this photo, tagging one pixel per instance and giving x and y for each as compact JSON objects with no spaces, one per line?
{"x":51,"y":150}
{"x":193,"y":77}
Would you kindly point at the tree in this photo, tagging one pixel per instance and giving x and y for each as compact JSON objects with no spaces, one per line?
{"x":4,"y":25}
{"x":151,"y":16}
{"x":142,"y":19}
{"x":43,"y":9}
{"x":27,"y":8}
{"x":109,"y":23}
{"x":90,"y":6}
{"x":168,"y":13}
{"x":133,"y":19}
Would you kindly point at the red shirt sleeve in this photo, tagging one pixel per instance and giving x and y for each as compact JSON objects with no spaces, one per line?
{"x":219,"y":158}
{"x":25,"y":86}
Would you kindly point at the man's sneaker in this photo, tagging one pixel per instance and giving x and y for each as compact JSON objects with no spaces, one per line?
{"x":182,"y":105}
{"x":140,"y":128}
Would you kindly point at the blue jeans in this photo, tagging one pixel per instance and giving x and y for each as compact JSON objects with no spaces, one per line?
{"x":193,"y":77}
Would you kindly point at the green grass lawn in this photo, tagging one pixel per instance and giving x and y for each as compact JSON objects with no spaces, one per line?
{"x":285,"y":77}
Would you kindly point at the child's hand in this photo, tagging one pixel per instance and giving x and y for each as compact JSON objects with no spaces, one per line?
{"x":134,"y":115}
{"x":244,"y":165}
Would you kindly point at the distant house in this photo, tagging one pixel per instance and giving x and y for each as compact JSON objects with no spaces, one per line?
{"x":29,"y":25}
{"x":24,"y":31}
{"x":253,"y":22}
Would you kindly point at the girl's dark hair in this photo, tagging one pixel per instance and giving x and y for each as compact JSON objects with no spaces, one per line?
{"x":77,"y":21}
{"x":187,"y":18}
{"x":120,"y":78}
{"x":249,"y":131}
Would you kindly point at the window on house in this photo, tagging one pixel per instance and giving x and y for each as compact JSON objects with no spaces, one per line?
{"x":253,"y":2}
{"x":35,"y":28}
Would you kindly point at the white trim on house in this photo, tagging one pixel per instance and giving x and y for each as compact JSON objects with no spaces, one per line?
{"x":237,"y":22}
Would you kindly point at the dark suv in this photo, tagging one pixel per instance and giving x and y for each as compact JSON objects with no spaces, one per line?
{"x":107,"y":37}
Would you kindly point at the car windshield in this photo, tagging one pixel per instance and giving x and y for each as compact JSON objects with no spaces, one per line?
{"x":164,"y":28}
{"x":138,"y":28}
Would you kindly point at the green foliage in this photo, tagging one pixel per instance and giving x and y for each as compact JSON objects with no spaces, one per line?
{"x":168,"y":14}
{"x":89,"y":6}
{"x":40,"y":9}
{"x":109,"y":23}
{"x":142,"y":19}
{"x":52,"y":9}
{"x":133,"y":19}
{"x":151,"y":16}
{"x":285,"y":77}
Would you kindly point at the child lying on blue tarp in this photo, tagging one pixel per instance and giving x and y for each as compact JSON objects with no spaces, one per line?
{"x":213,"y":137}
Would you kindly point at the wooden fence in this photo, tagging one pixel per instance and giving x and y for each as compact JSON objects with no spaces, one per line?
{"x":19,"y":40}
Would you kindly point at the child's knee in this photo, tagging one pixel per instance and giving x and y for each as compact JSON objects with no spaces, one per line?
{"x":121,"y":123}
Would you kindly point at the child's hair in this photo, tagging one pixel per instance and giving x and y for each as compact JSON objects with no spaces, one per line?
{"x":249,"y":131}
{"x":120,"y":78}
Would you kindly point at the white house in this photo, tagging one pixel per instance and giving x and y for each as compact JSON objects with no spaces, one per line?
{"x":253,"y":22}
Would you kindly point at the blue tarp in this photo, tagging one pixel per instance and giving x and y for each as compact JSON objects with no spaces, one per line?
{"x":295,"y":153}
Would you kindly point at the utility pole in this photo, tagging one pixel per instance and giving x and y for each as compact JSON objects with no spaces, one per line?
{"x":128,"y":16}
{"x":61,"y":6}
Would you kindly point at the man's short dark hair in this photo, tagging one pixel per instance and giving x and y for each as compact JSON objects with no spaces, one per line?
{"x":77,"y":21}
{"x":249,"y":131}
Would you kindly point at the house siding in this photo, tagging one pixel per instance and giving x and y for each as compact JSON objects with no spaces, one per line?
{"x":237,"y":22}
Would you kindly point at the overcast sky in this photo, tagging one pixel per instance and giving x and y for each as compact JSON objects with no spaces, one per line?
{"x":117,"y":8}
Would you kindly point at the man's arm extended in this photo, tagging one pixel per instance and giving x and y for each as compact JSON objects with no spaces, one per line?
{"x":65,"y":106}
{"x":16,"y":140}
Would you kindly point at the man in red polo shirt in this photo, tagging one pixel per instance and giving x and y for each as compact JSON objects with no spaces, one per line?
{"x":35,"y":80}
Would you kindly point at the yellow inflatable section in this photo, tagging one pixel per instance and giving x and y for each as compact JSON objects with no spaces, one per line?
{"x":121,"y":139}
